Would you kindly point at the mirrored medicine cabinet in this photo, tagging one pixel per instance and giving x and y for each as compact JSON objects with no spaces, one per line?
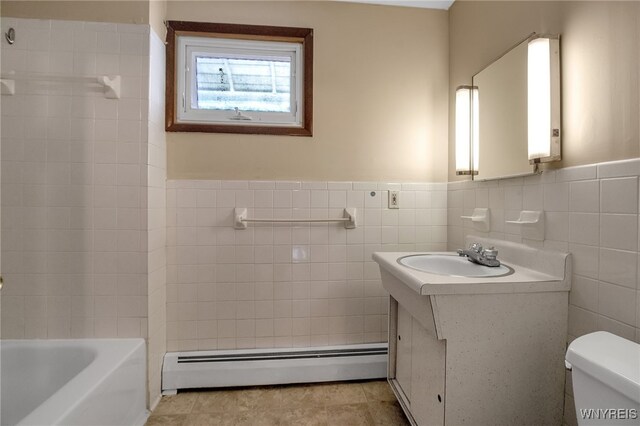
{"x":513,"y":120}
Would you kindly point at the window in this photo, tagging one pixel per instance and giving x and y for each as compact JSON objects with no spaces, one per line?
{"x":230,"y":78}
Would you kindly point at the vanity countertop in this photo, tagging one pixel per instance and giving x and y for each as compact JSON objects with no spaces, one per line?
{"x":523,"y":280}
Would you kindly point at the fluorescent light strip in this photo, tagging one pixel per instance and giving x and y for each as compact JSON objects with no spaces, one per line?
{"x":543,"y":81}
{"x":467,"y":130}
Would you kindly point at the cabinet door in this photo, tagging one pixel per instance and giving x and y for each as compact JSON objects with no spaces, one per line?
{"x":427,"y":376}
{"x":403,"y":351}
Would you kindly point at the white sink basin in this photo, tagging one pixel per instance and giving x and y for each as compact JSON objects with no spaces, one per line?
{"x":452,"y":265}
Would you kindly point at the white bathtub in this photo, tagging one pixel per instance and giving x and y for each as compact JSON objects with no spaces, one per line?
{"x":73,"y":382}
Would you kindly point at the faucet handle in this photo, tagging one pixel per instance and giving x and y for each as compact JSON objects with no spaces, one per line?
{"x":490,"y":253}
{"x":477,"y":247}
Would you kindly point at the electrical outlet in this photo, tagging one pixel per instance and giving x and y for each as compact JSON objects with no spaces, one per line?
{"x":394,"y":199}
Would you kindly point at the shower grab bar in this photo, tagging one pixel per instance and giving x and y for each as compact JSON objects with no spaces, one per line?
{"x":241,"y":220}
{"x":111,"y":83}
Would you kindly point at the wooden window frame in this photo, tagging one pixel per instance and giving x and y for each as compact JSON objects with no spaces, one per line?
{"x":246,"y":32}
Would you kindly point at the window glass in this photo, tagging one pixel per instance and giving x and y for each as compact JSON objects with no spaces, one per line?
{"x":247,"y":84}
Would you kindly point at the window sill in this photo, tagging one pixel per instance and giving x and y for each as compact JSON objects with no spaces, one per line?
{"x":234,"y":128}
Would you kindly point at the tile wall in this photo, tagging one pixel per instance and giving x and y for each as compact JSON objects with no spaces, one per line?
{"x":284,"y":285}
{"x":590,"y":211}
{"x":156,"y":217}
{"x":74,"y":203}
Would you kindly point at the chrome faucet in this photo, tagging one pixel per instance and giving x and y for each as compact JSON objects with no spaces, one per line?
{"x":476,"y":254}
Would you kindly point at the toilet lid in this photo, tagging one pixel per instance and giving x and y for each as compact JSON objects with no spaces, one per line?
{"x":611,"y":359}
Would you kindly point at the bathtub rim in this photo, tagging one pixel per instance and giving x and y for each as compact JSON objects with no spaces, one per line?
{"x":112,"y":353}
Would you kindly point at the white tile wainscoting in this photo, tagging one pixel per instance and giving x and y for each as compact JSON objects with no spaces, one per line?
{"x":284,"y":285}
{"x":590,"y":211}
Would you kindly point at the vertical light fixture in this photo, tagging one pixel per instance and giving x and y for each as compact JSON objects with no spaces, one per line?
{"x":543,"y":80}
{"x":467,"y":130}
{"x":475,"y":129}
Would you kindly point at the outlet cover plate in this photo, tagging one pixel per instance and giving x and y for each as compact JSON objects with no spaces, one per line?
{"x":394,"y":199}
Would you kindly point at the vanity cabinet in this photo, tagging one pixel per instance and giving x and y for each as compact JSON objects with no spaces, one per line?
{"x":487,"y":351}
{"x":421,"y":381}
{"x":403,"y":352}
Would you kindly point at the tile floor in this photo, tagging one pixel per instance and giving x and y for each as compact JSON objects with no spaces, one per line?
{"x":369,"y":403}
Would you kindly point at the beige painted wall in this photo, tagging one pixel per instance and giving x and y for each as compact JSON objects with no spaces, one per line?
{"x":380,"y":97}
{"x":130,"y":12}
{"x":157,"y":15}
{"x":600,"y":47}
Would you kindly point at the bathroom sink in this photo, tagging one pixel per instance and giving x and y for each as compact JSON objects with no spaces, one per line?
{"x":522,"y":269}
{"x":452,"y":265}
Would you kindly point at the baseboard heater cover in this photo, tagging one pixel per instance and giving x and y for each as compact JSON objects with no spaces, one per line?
{"x":254,"y":367}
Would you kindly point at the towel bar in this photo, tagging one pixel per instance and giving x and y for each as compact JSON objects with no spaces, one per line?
{"x":241,"y":219}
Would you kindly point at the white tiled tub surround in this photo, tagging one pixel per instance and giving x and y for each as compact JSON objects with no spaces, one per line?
{"x":74,"y":203}
{"x":287,"y":285}
{"x":591,"y":211}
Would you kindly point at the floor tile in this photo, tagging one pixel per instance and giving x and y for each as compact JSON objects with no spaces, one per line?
{"x":212,"y":419}
{"x":216,"y":402}
{"x":344,"y":393}
{"x":309,"y":416}
{"x":168,"y":420}
{"x":351,"y":415}
{"x":182,"y":403}
{"x":260,"y":398}
{"x":378,"y":391}
{"x":258,"y":418}
{"x":367,"y":403}
{"x":303,"y":396}
{"x":387,"y":414}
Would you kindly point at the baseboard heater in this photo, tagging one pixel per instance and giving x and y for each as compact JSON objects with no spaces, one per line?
{"x":211,"y":369}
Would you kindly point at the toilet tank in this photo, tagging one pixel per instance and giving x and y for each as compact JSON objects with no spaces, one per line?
{"x":606,"y":379}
